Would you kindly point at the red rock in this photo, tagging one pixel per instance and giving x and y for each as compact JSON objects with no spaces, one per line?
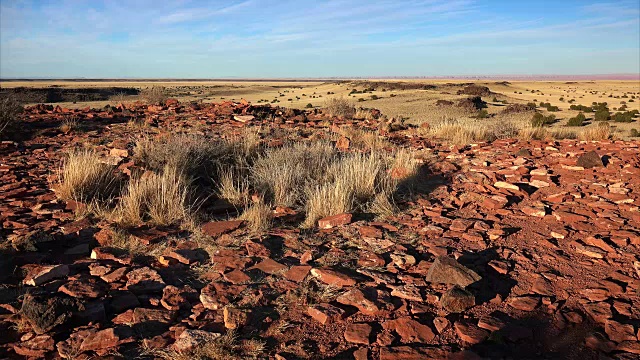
{"x":332,"y":277}
{"x":84,"y":288}
{"x":370,"y":231}
{"x":599,"y":311}
{"x":441,"y":324}
{"x":357,"y":298}
{"x":597,"y":341}
{"x":448,"y":271}
{"x":43,"y":274}
{"x":410,"y":330}
{"x":358,"y":333}
{"x":619,"y":332}
{"x":408,"y":292}
{"x":470,"y":333}
{"x":106,"y":253}
{"x":325,"y":313}
{"x":632,"y":347}
{"x":589,"y":160}
{"x":457,"y":300}
{"x":187,"y":256}
{"x":235,"y":318}
{"x":141,"y":315}
{"x":36,"y":347}
{"x":343,"y":143}
{"x":116,"y":275}
{"x":192,"y":339}
{"x":524,"y":303}
{"x":144,"y":280}
{"x":297,"y":273}
{"x":412,"y":353}
{"x":270,"y":266}
{"x":361,"y":354}
{"x":119,"y":152}
{"x":237,"y":277}
{"x":174,"y":298}
{"x":490,"y":323}
{"x":217,"y":228}
{"x":334,"y":220}
{"x":105,"y":339}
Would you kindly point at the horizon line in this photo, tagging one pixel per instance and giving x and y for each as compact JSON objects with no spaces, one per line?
{"x":610,"y":76}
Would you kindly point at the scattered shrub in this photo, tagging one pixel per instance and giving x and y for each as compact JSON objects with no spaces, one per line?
{"x":10,"y":109}
{"x":482,"y":114}
{"x":83,"y":177}
{"x":602,"y":114}
{"x":578,"y":120}
{"x":154,"y":94}
{"x":309,"y":106}
{"x":634,"y":133}
{"x":340,"y":107}
{"x":625,"y":117}
{"x":539,"y":120}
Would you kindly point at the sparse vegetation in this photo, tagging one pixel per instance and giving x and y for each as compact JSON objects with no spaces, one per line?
{"x":84,"y":177}
{"x":578,"y":120}
{"x":10,"y":109}
{"x":154,"y":94}
{"x":340,"y":107}
{"x":539,"y":120}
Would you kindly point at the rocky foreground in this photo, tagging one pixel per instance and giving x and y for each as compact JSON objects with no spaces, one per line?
{"x":520,"y":250}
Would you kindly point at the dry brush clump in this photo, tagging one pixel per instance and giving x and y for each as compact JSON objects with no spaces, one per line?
{"x":340,"y":107}
{"x":181,"y":173}
{"x":10,"y":109}
{"x":85,"y":178}
{"x":161,"y":198}
{"x":154,"y":94}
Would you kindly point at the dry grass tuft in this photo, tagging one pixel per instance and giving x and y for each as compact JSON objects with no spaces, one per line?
{"x":363,"y":114}
{"x":69,"y":124}
{"x":365,"y":139}
{"x":234,"y":188}
{"x":340,"y":107}
{"x":602,"y":131}
{"x":281,"y":174}
{"x":259,"y":216}
{"x":459,"y":132}
{"x":225,"y":347}
{"x":155,"y":94}
{"x":328,"y":199}
{"x":85,"y":178}
{"x":162,"y":199}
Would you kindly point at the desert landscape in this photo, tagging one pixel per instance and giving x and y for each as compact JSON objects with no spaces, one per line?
{"x":430,"y":220}
{"x":332,"y":179}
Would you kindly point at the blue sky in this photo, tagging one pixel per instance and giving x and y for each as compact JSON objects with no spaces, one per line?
{"x":322,"y":38}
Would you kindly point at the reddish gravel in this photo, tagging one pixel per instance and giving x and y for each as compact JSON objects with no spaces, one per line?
{"x":512,"y":254}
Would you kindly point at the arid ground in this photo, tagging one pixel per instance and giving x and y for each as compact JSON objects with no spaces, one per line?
{"x":320,"y":220}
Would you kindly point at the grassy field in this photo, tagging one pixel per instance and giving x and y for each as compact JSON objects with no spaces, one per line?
{"x":413,"y":105}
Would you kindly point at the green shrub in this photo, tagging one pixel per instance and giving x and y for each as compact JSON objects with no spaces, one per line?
{"x":634,"y":133}
{"x":581,"y":108}
{"x":374,"y":97}
{"x":482,"y":114}
{"x":602,"y":115}
{"x":625,"y":117}
{"x":539,"y":120}
{"x":309,"y":106}
{"x":578,"y":120}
